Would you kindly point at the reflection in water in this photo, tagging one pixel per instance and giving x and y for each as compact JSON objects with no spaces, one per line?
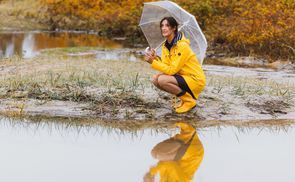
{"x":29,"y":44}
{"x":79,"y":150}
{"x":9,"y":50}
{"x":118,"y":55}
{"x":179,"y":156}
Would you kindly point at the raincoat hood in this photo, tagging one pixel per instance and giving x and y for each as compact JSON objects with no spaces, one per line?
{"x":184,"y":39}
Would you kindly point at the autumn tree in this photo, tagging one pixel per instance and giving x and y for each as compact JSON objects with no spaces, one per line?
{"x":261,"y":27}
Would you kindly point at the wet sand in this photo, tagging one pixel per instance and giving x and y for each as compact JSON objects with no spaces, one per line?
{"x":231,"y":93}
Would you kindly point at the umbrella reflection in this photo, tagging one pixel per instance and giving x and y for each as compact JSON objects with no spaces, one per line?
{"x":179,"y":156}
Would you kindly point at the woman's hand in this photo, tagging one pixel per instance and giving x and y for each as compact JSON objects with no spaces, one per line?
{"x":150,"y":56}
{"x":148,"y":178}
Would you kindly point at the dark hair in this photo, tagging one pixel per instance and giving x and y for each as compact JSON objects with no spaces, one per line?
{"x":172,"y":23}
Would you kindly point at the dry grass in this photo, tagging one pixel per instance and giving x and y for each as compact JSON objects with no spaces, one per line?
{"x":138,"y":127}
{"x":53,"y":75}
{"x":22,"y":15}
{"x":63,"y":72}
{"x":107,"y":85}
{"x":245,"y":86}
{"x":116,"y":89}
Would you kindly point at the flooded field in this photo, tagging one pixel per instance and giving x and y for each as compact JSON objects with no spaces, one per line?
{"x":29,"y":44}
{"x":114,"y":83}
{"x":52,"y":151}
{"x":80,"y":106}
{"x":262,"y":74}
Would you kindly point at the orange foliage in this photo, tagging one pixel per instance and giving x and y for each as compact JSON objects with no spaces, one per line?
{"x":119,"y":15}
{"x":264,"y":27}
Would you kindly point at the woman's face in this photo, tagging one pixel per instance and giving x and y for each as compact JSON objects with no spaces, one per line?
{"x":166,"y":29}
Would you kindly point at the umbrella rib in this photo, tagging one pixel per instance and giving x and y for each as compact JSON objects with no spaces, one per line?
{"x":160,"y":45}
{"x":152,"y":4}
{"x":148,"y":22}
{"x":201,"y":33}
{"x":192,"y":27}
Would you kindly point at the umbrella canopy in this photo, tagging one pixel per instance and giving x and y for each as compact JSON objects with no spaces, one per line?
{"x":151,"y":16}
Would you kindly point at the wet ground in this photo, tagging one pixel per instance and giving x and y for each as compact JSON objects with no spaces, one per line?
{"x":281,"y":76}
{"x":53,"y":151}
{"x":232,"y":93}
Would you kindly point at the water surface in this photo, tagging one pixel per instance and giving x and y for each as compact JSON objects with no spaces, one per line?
{"x":29,"y":44}
{"x":60,"y":152}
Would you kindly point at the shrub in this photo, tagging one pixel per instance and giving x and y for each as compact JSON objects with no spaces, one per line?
{"x":260,"y":27}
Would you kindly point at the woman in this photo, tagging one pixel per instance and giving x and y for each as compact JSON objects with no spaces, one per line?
{"x":182,"y":75}
{"x":179,"y":157}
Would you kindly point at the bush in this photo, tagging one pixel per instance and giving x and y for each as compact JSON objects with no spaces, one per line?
{"x":260,"y":27}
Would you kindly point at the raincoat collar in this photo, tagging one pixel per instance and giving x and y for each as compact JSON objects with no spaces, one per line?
{"x":176,"y":38}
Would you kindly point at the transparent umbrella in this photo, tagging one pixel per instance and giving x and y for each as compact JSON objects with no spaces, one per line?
{"x":151,"y":16}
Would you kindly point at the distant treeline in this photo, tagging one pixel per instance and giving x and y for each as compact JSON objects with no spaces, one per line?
{"x":245,"y":27}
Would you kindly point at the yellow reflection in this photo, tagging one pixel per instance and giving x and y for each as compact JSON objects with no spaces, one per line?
{"x":179,"y":156}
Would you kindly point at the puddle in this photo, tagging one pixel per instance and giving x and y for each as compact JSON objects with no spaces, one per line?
{"x":131,"y":55}
{"x":128,"y":55}
{"x":52,"y":151}
{"x":259,"y":73}
{"x":30,"y":44}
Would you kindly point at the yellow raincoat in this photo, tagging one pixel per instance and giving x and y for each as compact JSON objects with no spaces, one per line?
{"x":182,"y":60}
{"x":182,"y":170}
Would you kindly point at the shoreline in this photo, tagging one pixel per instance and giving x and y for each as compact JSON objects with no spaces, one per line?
{"x":137,"y":125}
{"x":207,"y":109}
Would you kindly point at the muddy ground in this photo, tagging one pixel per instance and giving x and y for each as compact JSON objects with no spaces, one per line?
{"x":86,"y":87}
{"x":123,"y":107}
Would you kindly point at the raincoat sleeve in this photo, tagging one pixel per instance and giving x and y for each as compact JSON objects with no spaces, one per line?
{"x":169,"y":171}
{"x":158,"y":59}
{"x":177,"y":62}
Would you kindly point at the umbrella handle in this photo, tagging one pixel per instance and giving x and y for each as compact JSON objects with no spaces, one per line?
{"x":147,"y":49}
{"x":160,"y":45}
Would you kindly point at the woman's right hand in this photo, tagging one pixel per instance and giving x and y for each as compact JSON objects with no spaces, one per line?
{"x":148,"y":178}
{"x":150,"y":55}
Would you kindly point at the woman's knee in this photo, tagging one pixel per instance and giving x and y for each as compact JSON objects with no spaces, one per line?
{"x":162,"y":80}
{"x":155,"y":80}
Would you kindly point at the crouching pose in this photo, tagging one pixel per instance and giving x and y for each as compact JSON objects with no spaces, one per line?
{"x":179,"y":157}
{"x":181,"y":74}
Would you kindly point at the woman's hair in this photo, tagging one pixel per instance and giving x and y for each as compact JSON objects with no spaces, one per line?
{"x":171,"y":22}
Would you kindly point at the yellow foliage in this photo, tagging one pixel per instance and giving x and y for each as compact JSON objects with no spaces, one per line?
{"x":245,"y":26}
